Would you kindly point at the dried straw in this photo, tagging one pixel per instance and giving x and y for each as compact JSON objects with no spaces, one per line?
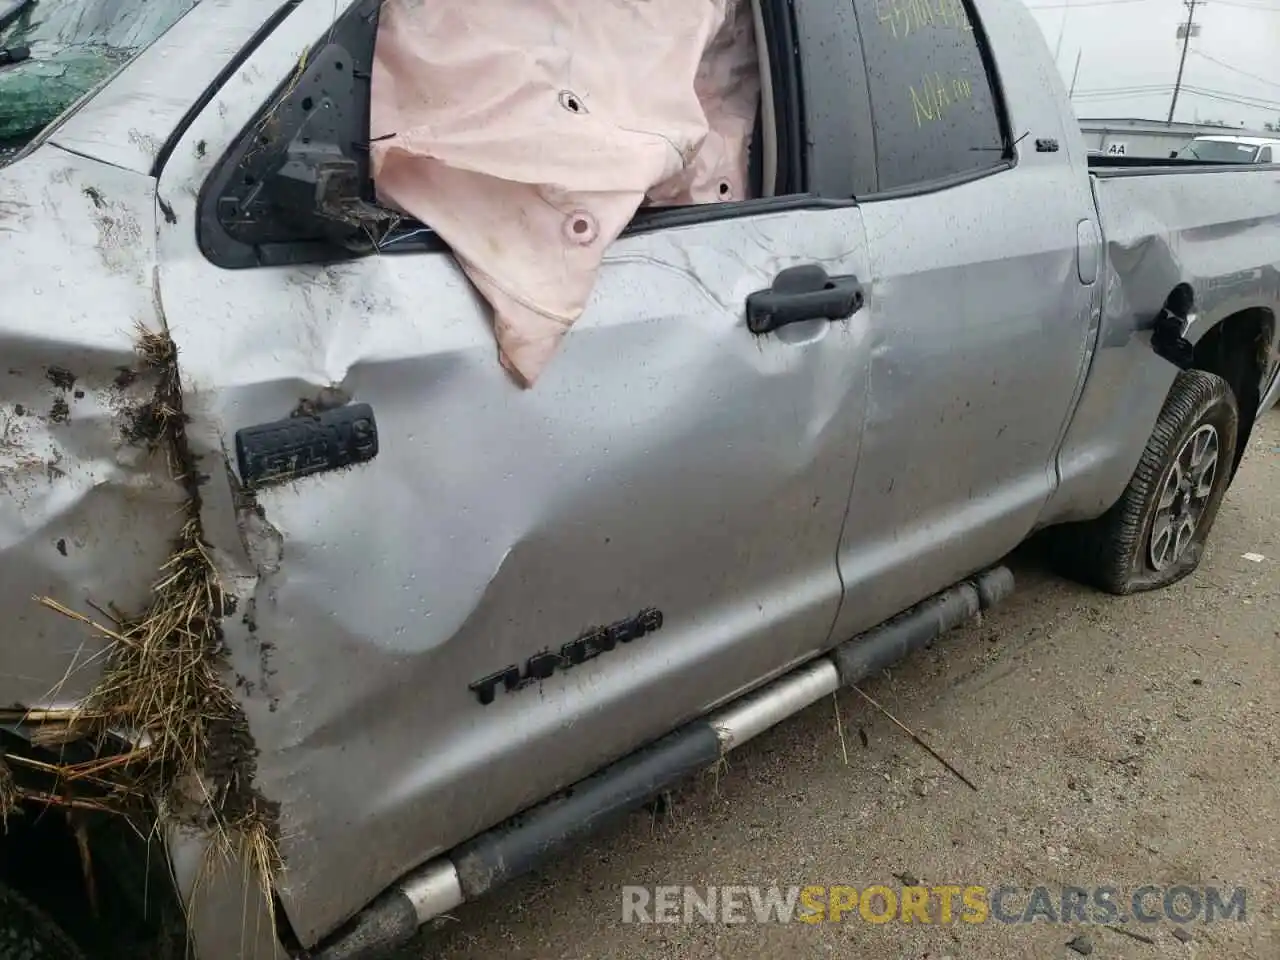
{"x":8,"y":794}
{"x":162,"y":679}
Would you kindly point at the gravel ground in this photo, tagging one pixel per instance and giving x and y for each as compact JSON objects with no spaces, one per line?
{"x":1112,"y":741}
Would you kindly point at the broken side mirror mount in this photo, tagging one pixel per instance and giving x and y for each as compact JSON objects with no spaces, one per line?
{"x":320,"y":186}
{"x":296,"y":187}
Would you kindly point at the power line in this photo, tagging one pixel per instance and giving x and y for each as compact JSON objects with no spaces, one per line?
{"x":1104,"y":97}
{"x":1265,"y":8}
{"x":1268,"y":100}
{"x":1111,"y":98}
{"x":1188,"y":29}
{"x":1083,"y":3}
{"x":1187,"y":91}
{"x":1108,"y":97}
{"x":1155,"y":90}
{"x":1236,"y":98}
{"x":1137,"y":88}
{"x":1231,"y":100}
{"x":1167,"y":88}
{"x":1243,"y":73}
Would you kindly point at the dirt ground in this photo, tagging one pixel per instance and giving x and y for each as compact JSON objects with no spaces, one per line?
{"x":1112,"y":741}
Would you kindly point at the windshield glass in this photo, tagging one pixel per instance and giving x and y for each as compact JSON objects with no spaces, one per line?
{"x":52,"y":52}
{"x":1218,"y":151}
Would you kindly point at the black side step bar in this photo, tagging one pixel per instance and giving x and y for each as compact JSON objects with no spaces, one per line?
{"x":524,"y":842}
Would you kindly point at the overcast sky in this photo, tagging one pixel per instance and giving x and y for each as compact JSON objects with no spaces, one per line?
{"x":1129,"y":57}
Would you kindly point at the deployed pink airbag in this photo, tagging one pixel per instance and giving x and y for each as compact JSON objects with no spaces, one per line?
{"x":527,"y":133}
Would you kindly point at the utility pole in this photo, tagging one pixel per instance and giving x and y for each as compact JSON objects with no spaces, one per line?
{"x":1187,"y":30}
{"x":1075,"y":73}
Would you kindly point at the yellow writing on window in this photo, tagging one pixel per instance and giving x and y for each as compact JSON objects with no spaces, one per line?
{"x":936,"y":95}
{"x":905,"y":17}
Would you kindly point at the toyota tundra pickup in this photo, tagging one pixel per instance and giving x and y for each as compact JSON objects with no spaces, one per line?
{"x":316,"y":625}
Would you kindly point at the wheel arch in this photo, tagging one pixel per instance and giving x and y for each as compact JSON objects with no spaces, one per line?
{"x":1240,"y":348}
{"x":101,"y":877}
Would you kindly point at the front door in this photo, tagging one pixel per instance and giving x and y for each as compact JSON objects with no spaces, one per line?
{"x":671,"y":474}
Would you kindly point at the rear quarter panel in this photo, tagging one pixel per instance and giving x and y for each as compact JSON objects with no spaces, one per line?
{"x":1216,"y":230}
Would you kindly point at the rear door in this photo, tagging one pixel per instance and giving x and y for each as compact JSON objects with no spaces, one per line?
{"x":671,"y":475}
{"x":981,"y":301}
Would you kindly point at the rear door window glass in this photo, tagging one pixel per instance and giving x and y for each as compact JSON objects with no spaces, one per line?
{"x":934,"y":110}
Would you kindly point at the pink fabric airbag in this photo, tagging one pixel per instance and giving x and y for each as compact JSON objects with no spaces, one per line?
{"x":528,"y":132}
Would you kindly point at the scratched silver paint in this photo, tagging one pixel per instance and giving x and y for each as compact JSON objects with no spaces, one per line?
{"x":979,"y":326}
{"x":228,"y":917}
{"x":88,"y":516}
{"x":667,"y":459}
{"x":85,"y":516}
{"x":1219,"y":232}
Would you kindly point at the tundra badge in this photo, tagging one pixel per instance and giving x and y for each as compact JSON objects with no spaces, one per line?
{"x":587,"y":646}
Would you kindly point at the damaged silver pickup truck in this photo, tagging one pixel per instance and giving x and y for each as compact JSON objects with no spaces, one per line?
{"x":317,"y":623}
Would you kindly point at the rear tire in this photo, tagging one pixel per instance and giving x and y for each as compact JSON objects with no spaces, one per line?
{"x":1155,"y":533}
{"x":27,"y":933}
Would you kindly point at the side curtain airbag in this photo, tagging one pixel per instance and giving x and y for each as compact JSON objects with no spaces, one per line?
{"x":528,"y":132}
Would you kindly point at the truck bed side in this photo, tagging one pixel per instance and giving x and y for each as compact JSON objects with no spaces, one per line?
{"x":1215,"y":230}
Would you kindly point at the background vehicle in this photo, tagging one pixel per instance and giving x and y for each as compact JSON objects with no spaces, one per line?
{"x":1231,"y":149}
{"x":576,"y":586}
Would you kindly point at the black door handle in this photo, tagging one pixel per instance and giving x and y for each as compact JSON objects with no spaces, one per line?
{"x":803,"y":293}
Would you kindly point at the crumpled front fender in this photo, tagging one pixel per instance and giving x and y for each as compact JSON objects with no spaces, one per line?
{"x":88,"y":507}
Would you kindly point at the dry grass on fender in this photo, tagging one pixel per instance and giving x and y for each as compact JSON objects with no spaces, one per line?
{"x":9,"y":795}
{"x":162,"y":689}
{"x":161,"y":677}
{"x":162,"y":681}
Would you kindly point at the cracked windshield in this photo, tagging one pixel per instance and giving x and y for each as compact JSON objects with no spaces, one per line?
{"x":53,"y":52}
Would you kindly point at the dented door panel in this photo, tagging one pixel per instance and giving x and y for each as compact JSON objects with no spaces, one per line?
{"x":671,"y":477}
{"x":981,"y":327}
{"x":987,"y":324}
{"x":668,"y":462}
